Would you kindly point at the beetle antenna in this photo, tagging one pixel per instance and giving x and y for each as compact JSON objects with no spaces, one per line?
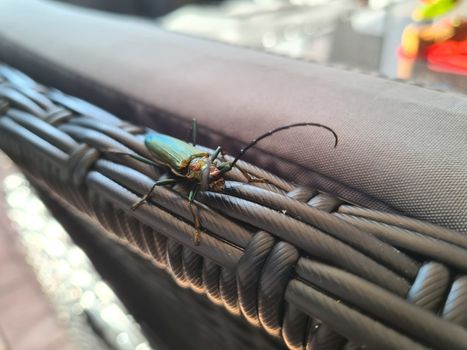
{"x":285,"y":127}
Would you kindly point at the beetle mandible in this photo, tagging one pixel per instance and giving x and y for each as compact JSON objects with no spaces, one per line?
{"x":203,"y":170}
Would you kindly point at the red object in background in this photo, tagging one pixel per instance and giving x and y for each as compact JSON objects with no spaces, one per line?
{"x":448,"y":57}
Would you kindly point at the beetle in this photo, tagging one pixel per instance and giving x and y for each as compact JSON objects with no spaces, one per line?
{"x":190,"y":164}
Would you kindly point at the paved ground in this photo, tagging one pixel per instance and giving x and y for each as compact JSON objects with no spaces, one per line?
{"x":27,"y":320}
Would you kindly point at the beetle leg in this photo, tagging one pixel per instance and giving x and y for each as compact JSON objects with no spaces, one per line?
{"x":251,"y":178}
{"x":194,"y":131}
{"x":191,"y":197}
{"x":145,"y":198}
{"x":215,"y":154}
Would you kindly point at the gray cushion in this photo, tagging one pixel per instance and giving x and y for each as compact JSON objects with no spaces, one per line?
{"x":402,"y":147}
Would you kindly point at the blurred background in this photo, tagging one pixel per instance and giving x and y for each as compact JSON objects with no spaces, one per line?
{"x":51,"y":297}
{"x":423,"y":41}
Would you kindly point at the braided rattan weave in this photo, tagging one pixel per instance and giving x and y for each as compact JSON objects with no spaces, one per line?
{"x":310,"y":269}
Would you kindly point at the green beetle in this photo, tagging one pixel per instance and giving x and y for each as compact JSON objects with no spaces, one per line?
{"x":185,"y":160}
{"x":190,"y":164}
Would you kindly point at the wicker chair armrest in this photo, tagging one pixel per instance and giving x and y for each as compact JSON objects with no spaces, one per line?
{"x":305,"y":266}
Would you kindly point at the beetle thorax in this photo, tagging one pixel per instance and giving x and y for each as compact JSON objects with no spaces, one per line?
{"x":196,"y":167}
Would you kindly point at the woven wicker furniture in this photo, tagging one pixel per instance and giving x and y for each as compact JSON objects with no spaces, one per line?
{"x":306,"y":267}
{"x":359,"y":246}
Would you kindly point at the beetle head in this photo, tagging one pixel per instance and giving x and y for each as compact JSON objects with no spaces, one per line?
{"x":205,"y":170}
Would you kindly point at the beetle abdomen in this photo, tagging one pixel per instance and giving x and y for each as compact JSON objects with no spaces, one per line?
{"x":175,"y":153}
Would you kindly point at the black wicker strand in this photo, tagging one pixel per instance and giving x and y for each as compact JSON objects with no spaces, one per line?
{"x":353,"y":325}
{"x":254,"y":235}
{"x":384,"y":306}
